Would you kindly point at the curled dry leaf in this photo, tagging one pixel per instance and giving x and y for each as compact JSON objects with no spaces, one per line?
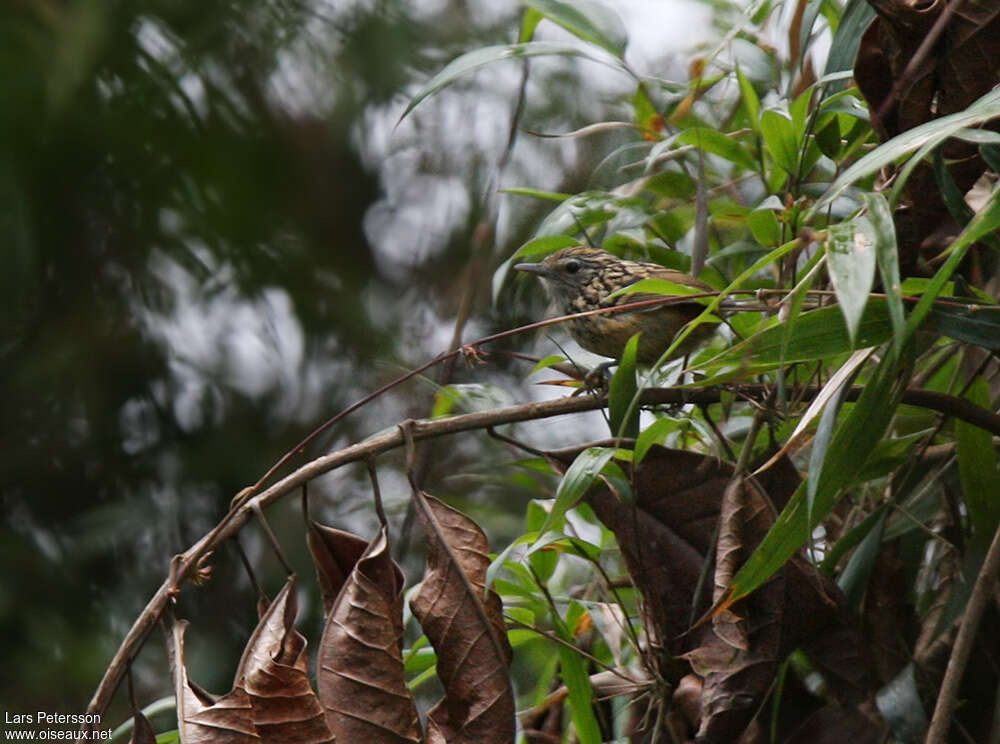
{"x":142,"y":731}
{"x":464,"y":624}
{"x":201,"y":718}
{"x":274,"y":671}
{"x":665,"y":540}
{"x":361,"y":679}
{"x":335,"y":553}
{"x":271,"y":699}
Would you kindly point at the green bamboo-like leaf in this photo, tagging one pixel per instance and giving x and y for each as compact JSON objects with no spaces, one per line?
{"x":578,"y":478}
{"x":587,"y":20}
{"x":854,"y":579}
{"x":751,"y":101}
{"x":477,"y":58}
{"x":887,"y":257}
{"x":853,"y":537}
{"x":850,"y":258}
{"x":928,"y":134}
{"x":577,"y":681}
{"x":529,"y":22}
{"x":980,"y":326}
{"x":715,"y":142}
{"x":977,"y":466}
{"x":853,"y":22}
{"x":986,"y":221}
{"x":652,"y":434}
{"x":852,"y":442}
{"x":821,"y":443}
{"x":622,"y":410}
{"x":658,"y":287}
{"x":817,"y":334}
{"x":780,"y":139}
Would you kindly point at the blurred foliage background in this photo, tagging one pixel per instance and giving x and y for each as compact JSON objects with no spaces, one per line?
{"x":215,"y":236}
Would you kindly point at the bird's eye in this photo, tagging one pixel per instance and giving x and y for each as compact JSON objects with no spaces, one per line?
{"x":572,"y":266}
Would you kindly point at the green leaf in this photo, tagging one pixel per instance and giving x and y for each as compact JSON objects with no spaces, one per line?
{"x":658,"y":287}
{"x":578,"y":479}
{"x":587,"y":20}
{"x":715,"y":142}
{"x":980,"y":326}
{"x":854,"y":440}
{"x":622,"y":410}
{"x":765,"y":227}
{"x":853,"y":537}
{"x":546,"y":362}
{"x":652,"y":434}
{"x":529,"y":22}
{"x":577,"y":681}
{"x":817,"y":334}
{"x":844,"y":48}
{"x":928,"y":134}
{"x":751,"y":102}
{"x":854,"y":579}
{"x":556,"y":196}
{"x":984,"y":222}
{"x":821,"y":443}
{"x":887,"y":256}
{"x":780,"y":139}
{"x":850,"y":257}
{"x":539,"y":248}
{"x":977,"y":466}
{"x":477,"y":58}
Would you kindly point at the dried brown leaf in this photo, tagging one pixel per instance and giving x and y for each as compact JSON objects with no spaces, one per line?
{"x":274,"y":671}
{"x":335,"y":553}
{"x":361,"y":679}
{"x":201,"y":718}
{"x":465,"y":625}
{"x":142,"y":731}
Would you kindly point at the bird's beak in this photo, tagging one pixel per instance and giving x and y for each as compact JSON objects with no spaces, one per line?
{"x":533,"y":268}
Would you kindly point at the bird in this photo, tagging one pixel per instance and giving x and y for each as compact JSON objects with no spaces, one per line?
{"x":581,"y":278}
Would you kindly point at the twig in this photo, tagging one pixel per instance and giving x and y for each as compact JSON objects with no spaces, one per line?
{"x":981,"y":592}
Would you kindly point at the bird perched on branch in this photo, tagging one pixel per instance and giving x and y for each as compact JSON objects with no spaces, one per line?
{"x":582,"y":278}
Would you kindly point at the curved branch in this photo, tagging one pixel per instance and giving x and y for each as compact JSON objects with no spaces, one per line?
{"x":234,"y":521}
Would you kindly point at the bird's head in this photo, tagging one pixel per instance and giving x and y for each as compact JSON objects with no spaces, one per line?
{"x":569,"y":270}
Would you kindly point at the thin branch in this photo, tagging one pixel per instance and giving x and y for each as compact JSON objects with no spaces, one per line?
{"x":964,"y":641}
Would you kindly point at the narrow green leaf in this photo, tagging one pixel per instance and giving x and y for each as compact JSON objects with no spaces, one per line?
{"x":556,"y":196}
{"x":852,"y":442}
{"x":622,"y":411}
{"x":850,"y":257}
{"x":546,"y":362}
{"x":652,"y":434}
{"x":980,"y":326}
{"x":817,"y":334}
{"x":658,"y":287}
{"x":984,"y":222}
{"x":578,"y":478}
{"x":854,"y":537}
{"x":539,"y":248}
{"x":477,"y":58}
{"x":821,"y":443}
{"x":751,"y":102}
{"x":587,"y":20}
{"x":887,"y":255}
{"x":780,"y":139}
{"x":977,"y":466}
{"x":716,"y":143}
{"x":932,"y":132}
{"x":574,"y":676}
{"x":844,"y":48}
{"x":854,"y":579}
{"x":529,"y":22}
